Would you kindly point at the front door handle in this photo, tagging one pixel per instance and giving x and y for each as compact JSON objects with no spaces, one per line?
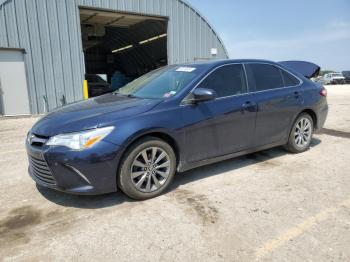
{"x":249,"y":106}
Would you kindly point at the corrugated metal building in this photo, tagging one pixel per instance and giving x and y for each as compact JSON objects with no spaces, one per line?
{"x":58,"y":42}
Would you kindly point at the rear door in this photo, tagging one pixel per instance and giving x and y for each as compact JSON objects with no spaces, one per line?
{"x":226,"y":124}
{"x":278,"y":95}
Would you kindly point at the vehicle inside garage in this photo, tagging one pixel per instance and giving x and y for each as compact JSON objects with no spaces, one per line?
{"x":119,"y":47}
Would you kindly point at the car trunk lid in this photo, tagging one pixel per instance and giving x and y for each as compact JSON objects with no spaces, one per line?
{"x":307,"y":69}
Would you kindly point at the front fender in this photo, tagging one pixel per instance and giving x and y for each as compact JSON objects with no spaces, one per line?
{"x":149,"y":132}
{"x":129,"y":130}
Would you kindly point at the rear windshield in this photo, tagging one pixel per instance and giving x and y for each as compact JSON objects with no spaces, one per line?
{"x":162,"y":83}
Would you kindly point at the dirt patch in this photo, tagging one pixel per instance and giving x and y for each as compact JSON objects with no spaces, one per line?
{"x":19,"y":224}
{"x":13,"y":228}
{"x":197,"y":204}
{"x":21,"y":218}
{"x":336,"y":133}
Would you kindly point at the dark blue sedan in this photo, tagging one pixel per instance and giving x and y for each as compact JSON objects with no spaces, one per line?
{"x":175,"y":119}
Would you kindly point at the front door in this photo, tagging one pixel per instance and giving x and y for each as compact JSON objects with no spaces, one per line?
{"x":224,"y":125}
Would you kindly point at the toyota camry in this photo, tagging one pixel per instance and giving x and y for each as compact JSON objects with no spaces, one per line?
{"x":175,"y":119}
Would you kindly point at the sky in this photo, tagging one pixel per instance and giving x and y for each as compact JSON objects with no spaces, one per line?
{"x":312,"y":30}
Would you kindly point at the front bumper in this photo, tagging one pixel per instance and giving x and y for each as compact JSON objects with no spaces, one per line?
{"x":89,"y":172}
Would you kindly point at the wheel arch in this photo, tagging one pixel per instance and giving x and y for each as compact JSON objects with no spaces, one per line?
{"x":307,"y":111}
{"x":313,"y":115}
{"x":160,"y":134}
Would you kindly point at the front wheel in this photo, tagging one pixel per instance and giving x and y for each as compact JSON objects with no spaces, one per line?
{"x":147,"y":168}
{"x":301,"y":134}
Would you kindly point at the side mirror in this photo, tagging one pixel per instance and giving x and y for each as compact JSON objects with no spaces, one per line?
{"x":201,"y":95}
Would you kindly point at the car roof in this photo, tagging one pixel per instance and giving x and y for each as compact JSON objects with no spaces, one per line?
{"x":211,"y":64}
{"x":227,"y":61}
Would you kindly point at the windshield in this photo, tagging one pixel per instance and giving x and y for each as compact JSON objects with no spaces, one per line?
{"x":162,"y":83}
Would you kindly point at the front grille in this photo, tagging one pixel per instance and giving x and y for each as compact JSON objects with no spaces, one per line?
{"x":41,"y":171}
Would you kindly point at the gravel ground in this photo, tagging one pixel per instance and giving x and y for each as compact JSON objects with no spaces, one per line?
{"x":268,"y":206}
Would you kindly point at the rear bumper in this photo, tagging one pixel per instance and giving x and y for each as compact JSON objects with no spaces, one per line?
{"x":89,"y":172}
{"x":322,"y":114}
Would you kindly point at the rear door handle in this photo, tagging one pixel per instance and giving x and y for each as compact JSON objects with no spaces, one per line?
{"x":297,"y":94}
{"x":249,"y":106}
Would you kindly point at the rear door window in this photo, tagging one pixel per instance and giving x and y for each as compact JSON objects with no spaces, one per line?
{"x":226,"y":81}
{"x":265,"y":76}
{"x":289,"y":80}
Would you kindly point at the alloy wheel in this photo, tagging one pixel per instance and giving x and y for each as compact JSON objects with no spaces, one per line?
{"x":303,"y":132}
{"x":150,"y":169}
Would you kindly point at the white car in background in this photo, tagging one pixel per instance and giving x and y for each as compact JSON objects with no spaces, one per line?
{"x":334,"y":79}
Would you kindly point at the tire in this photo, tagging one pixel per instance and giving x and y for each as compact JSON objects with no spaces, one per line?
{"x":301,"y":134}
{"x":140,"y":179}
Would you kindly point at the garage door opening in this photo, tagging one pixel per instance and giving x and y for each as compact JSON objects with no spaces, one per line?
{"x":120,"y":47}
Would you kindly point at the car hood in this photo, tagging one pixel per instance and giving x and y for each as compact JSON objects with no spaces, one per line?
{"x":92,"y":113}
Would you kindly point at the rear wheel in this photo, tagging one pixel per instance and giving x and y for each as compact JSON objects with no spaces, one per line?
{"x":147,"y":169}
{"x":301,"y":134}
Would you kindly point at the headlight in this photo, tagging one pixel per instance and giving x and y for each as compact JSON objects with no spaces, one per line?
{"x":81,"y":140}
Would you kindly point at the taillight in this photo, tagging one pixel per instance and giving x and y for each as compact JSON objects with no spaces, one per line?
{"x":324,"y":92}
